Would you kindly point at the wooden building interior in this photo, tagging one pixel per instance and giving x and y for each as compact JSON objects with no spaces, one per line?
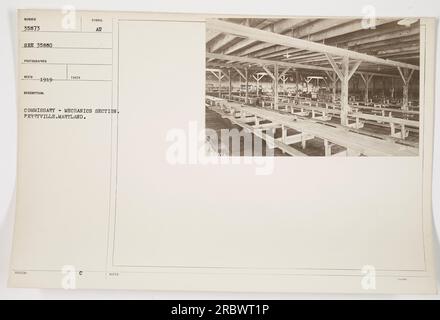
{"x":317,"y":87}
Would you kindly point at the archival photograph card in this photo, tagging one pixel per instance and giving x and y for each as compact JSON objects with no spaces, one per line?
{"x":224,"y":153}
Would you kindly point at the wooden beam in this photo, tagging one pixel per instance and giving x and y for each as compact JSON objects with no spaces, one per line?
{"x":334,"y":79}
{"x":260,"y":62}
{"x":304,"y":30}
{"x":239,"y":72}
{"x":211,"y":34}
{"x":258,"y":77}
{"x":335,"y":66}
{"x":224,"y":74}
{"x":324,"y":35}
{"x":291,"y":42}
{"x":268,"y":72}
{"x":386,"y":34}
{"x":225,"y":40}
{"x":284,"y":72}
{"x":406,"y":78}
{"x":278,"y":27}
{"x":215,"y":73}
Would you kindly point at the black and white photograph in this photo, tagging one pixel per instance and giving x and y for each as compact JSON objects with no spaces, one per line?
{"x":315,"y":87}
{"x":220,"y":151}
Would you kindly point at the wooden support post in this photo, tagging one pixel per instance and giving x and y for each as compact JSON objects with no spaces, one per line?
{"x":403,"y":131}
{"x":344,"y":91}
{"x":327,"y":147}
{"x":272,"y":132}
{"x":344,"y":75}
{"x":257,"y":78}
{"x":230,"y":84}
{"x":258,"y":88}
{"x":242,"y":76}
{"x":392,"y":88}
{"x":335,"y":85}
{"x":373,"y":87}
{"x":367,"y":79}
{"x":275,"y":96}
{"x":367,"y":85}
{"x":219,"y":75}
{"x":284,"y":72}
{"x":283,"y":134}
{"x":297,"y":84}
{"x":224,"y":75}
{"x":220,"y":86}
{"x":405,"y":97}
{"x":303,"y":142}
{"x":284,"y":79}
{"x":393,"y":129}
{"x":307,"y":83}
{"x":274,"y":77}
{"x":247,"y":86}
{"x":406,"y":77}
{"x":334,"y":81}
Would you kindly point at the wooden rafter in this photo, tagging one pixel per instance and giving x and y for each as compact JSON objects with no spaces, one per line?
{"x":278,"y":39}
{"x":304,"y":30}
{"x":277,"y":27}
{"x":347,"y":27}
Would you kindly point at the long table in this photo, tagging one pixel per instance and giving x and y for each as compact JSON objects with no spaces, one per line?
{"x":352,"y":141}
